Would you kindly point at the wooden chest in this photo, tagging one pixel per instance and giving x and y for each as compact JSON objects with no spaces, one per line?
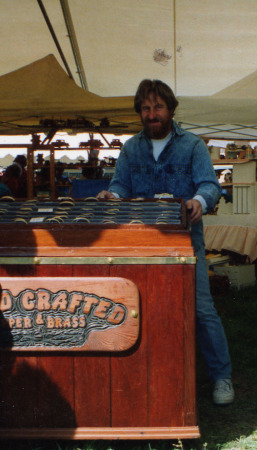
{"x":127,"y":290}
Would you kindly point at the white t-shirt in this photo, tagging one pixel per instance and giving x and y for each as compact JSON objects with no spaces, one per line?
{"x":158,"y":145}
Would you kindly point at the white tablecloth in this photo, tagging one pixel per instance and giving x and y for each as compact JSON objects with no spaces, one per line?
{"x":232,"y":232}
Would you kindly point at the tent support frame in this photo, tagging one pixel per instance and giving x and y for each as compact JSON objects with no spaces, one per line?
{"x":74,"y":43}
{"x":43,"y":10}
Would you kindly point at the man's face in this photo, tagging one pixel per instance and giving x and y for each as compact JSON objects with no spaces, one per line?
{"x":156,"y":117}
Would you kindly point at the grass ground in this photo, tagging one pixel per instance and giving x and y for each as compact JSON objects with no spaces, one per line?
{"x":233,"y":427}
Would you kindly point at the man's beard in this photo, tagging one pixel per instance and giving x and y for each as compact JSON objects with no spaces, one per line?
{"x":158,"y":132}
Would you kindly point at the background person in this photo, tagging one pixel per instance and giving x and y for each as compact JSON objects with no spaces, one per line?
{"x":15,"y":177}
{"x":164,"y":158}
{"x":4,"y":190}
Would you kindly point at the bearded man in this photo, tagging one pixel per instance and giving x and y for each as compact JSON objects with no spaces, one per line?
{"x":164,"y":158}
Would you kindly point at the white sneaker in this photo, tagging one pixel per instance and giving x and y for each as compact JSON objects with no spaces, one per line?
{"x":223,"y":392}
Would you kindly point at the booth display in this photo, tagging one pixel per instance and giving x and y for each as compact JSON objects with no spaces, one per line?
{"x":233,"y":227}
{"x":98,"y":321}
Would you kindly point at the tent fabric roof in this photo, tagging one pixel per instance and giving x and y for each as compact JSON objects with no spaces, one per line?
{"x":200,"y":48}
{"x":43,"y":79}
{"x":246,"y":88}
{"x":43,"y":90}
{"x":230,"y":113}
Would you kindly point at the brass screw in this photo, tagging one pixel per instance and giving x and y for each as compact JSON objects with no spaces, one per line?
{"x":134,"y":313}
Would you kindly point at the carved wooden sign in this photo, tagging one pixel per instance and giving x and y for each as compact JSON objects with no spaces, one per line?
{"x":68,"y":313}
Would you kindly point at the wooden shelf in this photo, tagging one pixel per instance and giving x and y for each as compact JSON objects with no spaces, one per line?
{"x":225,"y":162}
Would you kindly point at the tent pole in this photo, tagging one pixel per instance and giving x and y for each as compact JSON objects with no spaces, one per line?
{"x":175,"y":46}
{"x":54,"y":37}
{"x":74,"y":43}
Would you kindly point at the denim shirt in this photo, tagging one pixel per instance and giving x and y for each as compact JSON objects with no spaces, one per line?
{"x":184,"y":169}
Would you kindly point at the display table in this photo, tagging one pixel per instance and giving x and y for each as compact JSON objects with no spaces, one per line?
{"x":98,"y":330}
{"x":233,"y":232}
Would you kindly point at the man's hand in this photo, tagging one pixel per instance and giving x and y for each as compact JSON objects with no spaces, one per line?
{"x":195,"y":208}
{"x":105,"y":195}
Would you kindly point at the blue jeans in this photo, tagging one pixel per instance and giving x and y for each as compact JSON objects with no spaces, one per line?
{"x":210,"y":332}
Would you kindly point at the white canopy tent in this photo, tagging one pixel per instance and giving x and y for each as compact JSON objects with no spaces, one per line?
{"x":204,"y":50}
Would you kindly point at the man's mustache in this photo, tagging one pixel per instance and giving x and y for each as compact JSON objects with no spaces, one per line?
{"x":153,"y":120}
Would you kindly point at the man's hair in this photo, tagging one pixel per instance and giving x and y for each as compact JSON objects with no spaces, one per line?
{"x":158,"y":89}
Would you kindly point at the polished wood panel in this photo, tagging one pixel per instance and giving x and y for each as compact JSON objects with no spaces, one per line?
{"x":165,"y":345}
{"x":88,"y":240}
{"x":92,"y":374}
{"x":19,"y":387}
{"x":56,"y":392}
{"x":189,"y":395}
{"x":145,"y":392}
{"x":129,"y":386}
{"x":140,"y":433}
{"x":92,"y":377}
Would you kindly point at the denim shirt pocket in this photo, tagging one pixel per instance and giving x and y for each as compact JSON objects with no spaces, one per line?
{"x":179,"y":180}
{"x":142,"y":179}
